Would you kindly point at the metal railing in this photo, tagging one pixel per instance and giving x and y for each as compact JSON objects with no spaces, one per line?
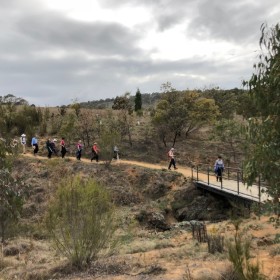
{"x":229,"y":174}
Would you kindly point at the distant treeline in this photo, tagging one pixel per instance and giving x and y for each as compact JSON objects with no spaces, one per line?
{"x":148,"y":100}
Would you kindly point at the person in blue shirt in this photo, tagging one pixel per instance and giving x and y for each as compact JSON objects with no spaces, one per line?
{"x":219,"y":168}
{"x":34,"y":144}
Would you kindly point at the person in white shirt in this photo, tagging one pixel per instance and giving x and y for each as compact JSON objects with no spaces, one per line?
{"x":23,"y":142}
{"x":172,"y":159}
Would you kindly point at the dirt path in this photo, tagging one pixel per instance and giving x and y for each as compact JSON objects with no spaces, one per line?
{"x":184,"y":170}
{"x":230,"y":185}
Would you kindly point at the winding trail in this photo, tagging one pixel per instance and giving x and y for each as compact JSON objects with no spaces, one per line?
{"x":184,"y":170}
{"x":230,"y":185}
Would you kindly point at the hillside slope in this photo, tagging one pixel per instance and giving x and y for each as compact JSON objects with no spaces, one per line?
{"x":154,"y":207}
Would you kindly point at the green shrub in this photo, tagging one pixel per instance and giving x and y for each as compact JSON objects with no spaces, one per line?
{"x":80,"y":220}
{"x":239,"y":255}
{"x":13,"y":191}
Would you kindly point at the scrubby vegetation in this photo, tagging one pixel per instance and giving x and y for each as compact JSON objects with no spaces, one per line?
{"x":64,"y":227}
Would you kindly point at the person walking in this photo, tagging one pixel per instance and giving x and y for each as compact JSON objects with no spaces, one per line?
{"x":53,"y":146}
{"x":79,"y":150}
{"x":95,"y":152}
{"x":172,"y":159}
{"x":116,"y":153}
{"x":34,"y":144}
{"x":63,"y":148}
{"x":49,"y":148}
{"x":219,"y":168}
{"x":23,"y":142}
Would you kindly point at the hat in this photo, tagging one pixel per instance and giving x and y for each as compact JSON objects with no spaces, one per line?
{"x":23,"y":135}
{"x":54,"y":140}
{"x":94,"y":143}
{"x":172,"y":149}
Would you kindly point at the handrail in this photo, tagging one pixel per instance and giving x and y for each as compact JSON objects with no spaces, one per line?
{"x":232,"y":174}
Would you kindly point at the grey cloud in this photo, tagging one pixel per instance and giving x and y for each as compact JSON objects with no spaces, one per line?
{"x":100,"y":38}
{"x":50,"y":82}
{"x":236,"y":21}
{"x":101,"y":60}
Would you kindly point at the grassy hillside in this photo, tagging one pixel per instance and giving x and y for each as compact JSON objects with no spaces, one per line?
{"x":155,"y":240}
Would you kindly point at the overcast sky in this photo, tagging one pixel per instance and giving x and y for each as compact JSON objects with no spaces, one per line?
{"x":55,"y":51}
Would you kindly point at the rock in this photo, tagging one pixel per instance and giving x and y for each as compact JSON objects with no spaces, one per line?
{"x":153,"y":220}
{"x":265,"y":241}
{"x":11,"y":251}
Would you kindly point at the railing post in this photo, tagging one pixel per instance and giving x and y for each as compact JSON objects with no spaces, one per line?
{"x":259,"y":183}
{"x":238,"y":182}
{"x":197,"y":173}
{"x":208,"y":171}
{"x":228,"y":173}
{"x":192,"y":173}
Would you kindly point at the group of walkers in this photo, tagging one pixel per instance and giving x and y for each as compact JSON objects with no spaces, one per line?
{"x":218,"y":166}
{"x":95,"y":150}
{"x":50,"y":146}
{"x":52,"y":149}
{"x":34,"y":144}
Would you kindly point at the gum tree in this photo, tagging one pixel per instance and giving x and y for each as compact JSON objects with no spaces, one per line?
{"x":264,"y":128}
{"x":179,"y":113}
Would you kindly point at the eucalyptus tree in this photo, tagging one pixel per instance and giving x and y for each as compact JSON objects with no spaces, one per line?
{"x":264,"y":128}
{"x":125,"y":117}
{"x":182,"y":112}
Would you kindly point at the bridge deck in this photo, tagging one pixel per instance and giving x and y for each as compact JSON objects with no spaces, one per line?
{"x":231,"y":188}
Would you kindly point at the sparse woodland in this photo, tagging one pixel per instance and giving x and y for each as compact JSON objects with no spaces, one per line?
{"x":65,"y":219}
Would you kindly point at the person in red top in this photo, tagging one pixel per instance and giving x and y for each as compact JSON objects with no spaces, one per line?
{"x":63,"y":148}
{"x":95,"y":152}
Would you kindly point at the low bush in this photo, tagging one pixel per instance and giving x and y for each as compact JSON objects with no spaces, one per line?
{"x":239,"y":255}
{"x":80,"y":220}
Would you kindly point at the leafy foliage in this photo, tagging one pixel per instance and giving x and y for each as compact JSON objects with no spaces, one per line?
{"x":182,"y":112}
{"x":239,"y":255}
{"x":228,"y":101}
{"x":12,"y":194}
{"x":264,"y":129}
{"x":138,"y":101}
{"x":123,"y":103}
{"x":80,"y":220}
{"x":230,"y":132}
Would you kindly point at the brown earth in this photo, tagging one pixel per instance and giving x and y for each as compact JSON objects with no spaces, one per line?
{"x":150,"y":247}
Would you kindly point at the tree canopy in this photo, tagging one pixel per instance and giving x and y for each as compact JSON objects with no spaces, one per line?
{"x":264,"y":129}
{"x":182,"y":113}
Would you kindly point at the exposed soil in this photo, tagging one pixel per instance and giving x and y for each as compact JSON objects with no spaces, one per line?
{"x":155,"y":208}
